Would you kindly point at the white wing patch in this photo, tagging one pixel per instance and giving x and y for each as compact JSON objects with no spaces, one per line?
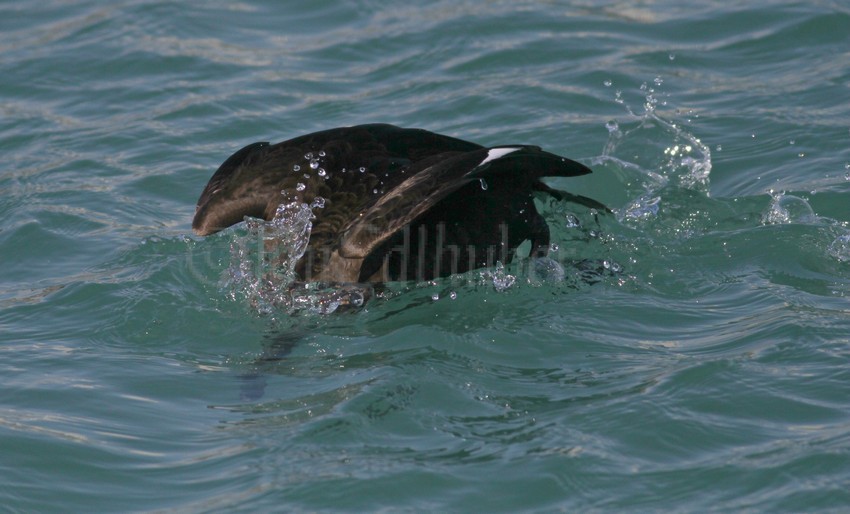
{"x":496,"y":153}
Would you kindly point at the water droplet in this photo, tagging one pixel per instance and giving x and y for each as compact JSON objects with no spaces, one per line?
{"x":658,"y":81}
{"x":322,"y":153}
{"x":719,"y":148}
{"x":483,"y":184}
{"x":553,"y":247}
{"x":296,"y":168}
{"x":612,"y":126}
{"x":375,"y":191}
{"x":306,"y":175}
{"x":607,"y":83}
{"x":300,"y":187}
{"x":572,"y":221}
{"x":435,"y":297}
{"x":453,"y":295}
{"x":792,"y":142}
{"x":362,"y":169}
{"x":318,"y":203}
{"x":314,"y":164}
{"x":308,"y":156}
{"x":322,"y":172}
{"x":672,"y":57}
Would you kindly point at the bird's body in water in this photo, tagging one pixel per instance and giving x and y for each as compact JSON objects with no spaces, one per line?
{"x":396,"y":204}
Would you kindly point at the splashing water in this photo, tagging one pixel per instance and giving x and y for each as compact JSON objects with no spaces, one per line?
{"x":263,"y":259}
{"x":652,"y":154}
{"x":546,"y":270}
{"x":840,"y":248}
{"x":263,"y":263}
{"x":499,"y":277}
{"x":786,"y":209}
{"x":318,"y":298}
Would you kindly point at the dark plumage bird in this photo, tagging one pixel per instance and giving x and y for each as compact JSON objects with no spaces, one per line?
{"x":399,"y":204}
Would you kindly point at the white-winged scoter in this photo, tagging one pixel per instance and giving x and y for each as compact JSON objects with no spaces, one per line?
{"x":399,"y":204}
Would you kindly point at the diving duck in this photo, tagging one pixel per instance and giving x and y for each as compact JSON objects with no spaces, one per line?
{"x":397,"y":204}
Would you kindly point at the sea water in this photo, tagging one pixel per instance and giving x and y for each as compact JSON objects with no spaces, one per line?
{"x":688,"y":352}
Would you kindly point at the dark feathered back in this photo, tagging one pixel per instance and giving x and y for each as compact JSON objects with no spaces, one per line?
{"x":378,"y":179}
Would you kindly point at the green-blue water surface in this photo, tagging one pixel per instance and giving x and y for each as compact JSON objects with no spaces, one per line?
{"x":707,"y":369}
